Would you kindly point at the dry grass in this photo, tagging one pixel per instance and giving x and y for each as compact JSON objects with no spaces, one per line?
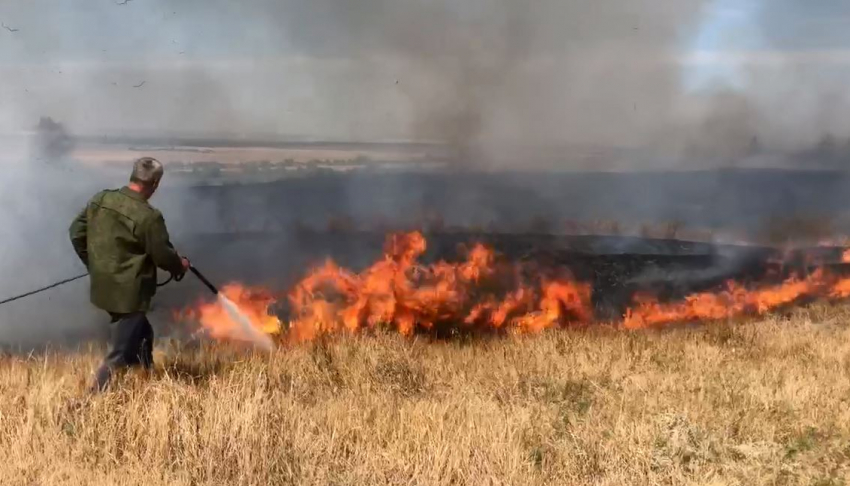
{"x":749,"y":404}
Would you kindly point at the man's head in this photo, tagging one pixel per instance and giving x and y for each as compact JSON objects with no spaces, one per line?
{"x":147,"y":172}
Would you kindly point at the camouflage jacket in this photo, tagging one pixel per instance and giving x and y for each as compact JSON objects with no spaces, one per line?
{"x":122,"y":240}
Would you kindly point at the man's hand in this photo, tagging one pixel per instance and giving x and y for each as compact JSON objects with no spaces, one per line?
{"x":186,"y":264}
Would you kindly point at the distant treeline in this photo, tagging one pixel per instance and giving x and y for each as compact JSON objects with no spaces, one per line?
{"x":202,"y":172}
{"x":212,"y":143}
{"x":268,"y":164}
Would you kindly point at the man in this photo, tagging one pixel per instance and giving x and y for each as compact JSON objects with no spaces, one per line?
{"x":122,"y":240}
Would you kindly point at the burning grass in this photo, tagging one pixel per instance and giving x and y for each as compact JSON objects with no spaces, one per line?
{"x":729,"y":403}
{"x":479,"y":294}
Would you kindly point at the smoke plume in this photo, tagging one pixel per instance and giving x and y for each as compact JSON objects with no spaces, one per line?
{"x":491,"y":75}
{"x":504,"y":83}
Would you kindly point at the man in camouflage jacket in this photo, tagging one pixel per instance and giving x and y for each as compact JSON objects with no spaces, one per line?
{"x":122,"y":240}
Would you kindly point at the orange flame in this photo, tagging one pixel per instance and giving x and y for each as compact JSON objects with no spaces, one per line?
{"x":398,"y":292}
{"x":254,"y":303}
{"x":735,"y":300}
{"x":478,"y":293}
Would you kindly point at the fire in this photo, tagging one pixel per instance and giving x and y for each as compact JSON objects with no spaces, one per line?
{"x":253,"y":303}
{"x":735,"y":300}
{"x":399,"y":292}
{"x":478,"y":293}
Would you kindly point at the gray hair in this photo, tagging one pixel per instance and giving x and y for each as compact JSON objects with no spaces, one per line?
{"x":147,"y":171}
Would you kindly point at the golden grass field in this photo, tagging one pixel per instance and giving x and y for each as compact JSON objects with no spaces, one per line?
{"x":747,"y":403}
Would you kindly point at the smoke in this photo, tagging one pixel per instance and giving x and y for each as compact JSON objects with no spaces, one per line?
{"x":479,"y":74}
{"x":777,"y":75}
{"x":564,"y":84}
{"x":494,"y":77}
{"x":505,"y":83}
{"x":52,"y":141}
{"x":40,"y":198}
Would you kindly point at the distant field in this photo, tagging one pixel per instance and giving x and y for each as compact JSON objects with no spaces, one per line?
{"x":302,"y":153}
{"x":753,"y":403}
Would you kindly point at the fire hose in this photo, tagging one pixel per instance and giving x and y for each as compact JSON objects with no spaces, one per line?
{"x":203,"y":280}
{"x":194,"y":270}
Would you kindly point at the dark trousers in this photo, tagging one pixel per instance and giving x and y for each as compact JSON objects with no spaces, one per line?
{"x":131,"y":344}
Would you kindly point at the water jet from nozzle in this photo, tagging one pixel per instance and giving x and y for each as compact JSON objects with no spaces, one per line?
{"x":247,"y":331}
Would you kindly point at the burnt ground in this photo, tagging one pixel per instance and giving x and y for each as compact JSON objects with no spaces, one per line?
{"x":759,"y":205}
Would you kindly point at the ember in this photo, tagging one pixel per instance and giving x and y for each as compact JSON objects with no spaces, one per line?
{"x":478,"y":294}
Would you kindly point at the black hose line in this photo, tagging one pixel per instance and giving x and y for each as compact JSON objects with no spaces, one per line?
{"x":69,"y":280}
{"x":33,"y":292}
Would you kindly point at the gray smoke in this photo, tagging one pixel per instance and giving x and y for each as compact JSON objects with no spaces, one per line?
{"x":790,"y":66}
{"x":565,"y":84}
{"x":40,"y":198}
{"x":510,"y":83}
{"x":489,"y":72}
{"x":482,"y":75}
{"x":494,"y":78}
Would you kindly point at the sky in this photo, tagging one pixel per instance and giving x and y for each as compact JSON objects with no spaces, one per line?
{"x":583,"y":71}
{"x":765,"y":30}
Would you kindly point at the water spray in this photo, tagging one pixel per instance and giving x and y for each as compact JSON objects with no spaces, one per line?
{"x":247,"y":330}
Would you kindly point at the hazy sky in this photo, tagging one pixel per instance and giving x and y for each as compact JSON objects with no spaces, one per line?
{"x":766,"y":30}
{"x":578,"y":70}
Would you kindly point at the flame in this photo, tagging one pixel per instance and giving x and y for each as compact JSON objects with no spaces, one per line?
{"x":735,"y":300}
{"x":476,"y":293}
{"x":841,"y":289}
{"x":253,"y":303}
{"x":399,"y":292}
